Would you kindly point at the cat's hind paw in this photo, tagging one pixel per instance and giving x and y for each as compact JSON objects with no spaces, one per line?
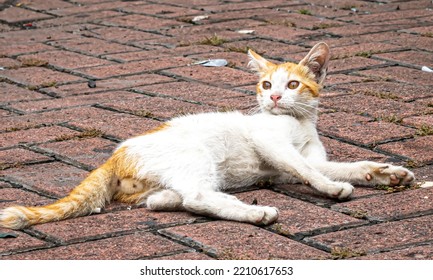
{"x":263,"y":215}
{"x":341,"y":191}
{"x":390,"y":175}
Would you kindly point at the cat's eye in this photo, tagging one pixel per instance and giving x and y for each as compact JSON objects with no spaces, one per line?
{"x":293,"y":84}
{"x":266,"y":85}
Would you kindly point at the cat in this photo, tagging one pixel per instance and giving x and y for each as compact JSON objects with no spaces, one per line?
{"x":190,"y":162}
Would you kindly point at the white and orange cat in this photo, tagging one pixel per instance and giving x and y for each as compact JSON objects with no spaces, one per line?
{"x":188,"y":162}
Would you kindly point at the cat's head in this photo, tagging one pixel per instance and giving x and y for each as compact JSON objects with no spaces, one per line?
{"x":289,"y":88}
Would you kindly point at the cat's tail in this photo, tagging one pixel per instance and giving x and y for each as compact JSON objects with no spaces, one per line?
{"x":90,"y":196}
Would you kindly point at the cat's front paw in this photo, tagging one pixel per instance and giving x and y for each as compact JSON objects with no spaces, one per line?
{"x":263,"y":215}
{"x":340,"y":190}
{"x":390,"y":175}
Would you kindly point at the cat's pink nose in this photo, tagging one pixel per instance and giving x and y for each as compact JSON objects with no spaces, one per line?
{"x":275,"y":97}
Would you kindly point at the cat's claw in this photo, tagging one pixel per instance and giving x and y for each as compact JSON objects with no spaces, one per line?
{"x":264,"y":215}
{"x":390,"y":175}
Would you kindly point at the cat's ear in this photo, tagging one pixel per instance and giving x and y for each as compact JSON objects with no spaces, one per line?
{"x":317,"y":60}
{"x":258,"y":63}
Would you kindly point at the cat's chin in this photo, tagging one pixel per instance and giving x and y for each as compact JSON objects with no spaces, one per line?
{"x":278,"y":111}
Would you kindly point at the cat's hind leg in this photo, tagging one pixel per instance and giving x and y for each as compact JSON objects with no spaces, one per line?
{"x":227,"y":207}
{"x":165,"y":200}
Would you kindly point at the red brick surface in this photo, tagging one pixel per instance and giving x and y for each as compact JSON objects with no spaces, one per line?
{"x":77,"y":77}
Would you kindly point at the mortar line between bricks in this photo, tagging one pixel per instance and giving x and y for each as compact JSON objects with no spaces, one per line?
{"x":150,"y":117}
{"x":104,"y":135}
{"x":189,"y":242}
{"x":182,"y":78}
{"x":23,"y":186}
{"x":371,"y":146}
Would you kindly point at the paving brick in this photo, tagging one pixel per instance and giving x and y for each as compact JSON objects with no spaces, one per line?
{"x":91,"y":151}
{"x":379,"y":237}
{"x":23,"y":242}
{"x":17,"y":49}
{"x":119,"y":125}
{"x":76,"y":19}
{"x":158,"y":107}
{"x":267,"y":48}
{"x":65,"y":59}
{"x":287,"y":34}
{"x":360,"y":129}
{"x":307,"y":193}
{"x":88,"y":7}
{"x":122,"y":35}
{"x":142,"y":22}
{"x":9,"y":63}
{"x":248,"y":5}
{"x":18,"y":156}
{"x":408,"y":75}
{"x":222,"y":98}
{"x":230,"y":240}
{"x":164,"y":52}
{"x":34,"y":135}
{"x":185,"y":256}
{"x":86,"y":114}
{"x":297,"y":218}
{"x":370,"y":28}
{"x":388,"y":16}
{"x":330,"y":10}
{"x":418,"y":149}
{"x":5,"y":113}
{"x":128,"y":247}
{"x":362,"y":50}
{"x":20,"y":37}
{"x":106,"y":85}
{"x":73,"y":101}
{"x":422,"y":252}
{"x":384,"y":108}
{"x":219,"y":76}
{"x":424,"y":173}
{"x":391,"y":90}
{"x":421,"y":30}
{"x":16,"y":14}
{"x":339,"y":151}
{"x":352,"y":63}
{"x":337,"y":79}
{"x":419,"y":121}
{"x":135,"y":67}
{"x":93,"y":46}
{"x":141,"y":54}
{"x":15,"y":94}
{"x":296,"y":19}
{"x":12,"y":196}
{"x":161,"y":10}
{"x":55,"y":179}
{"x":48,"y":5}
{"x":234,"y":59}
{"x":89,"y":227}
{"x":389,"y":207}
{"x":415,"y":58}
{"x":38,"y":76}
{"x":198,"y":34}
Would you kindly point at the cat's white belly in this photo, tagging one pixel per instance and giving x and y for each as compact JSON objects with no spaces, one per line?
{"x":214,"y":150}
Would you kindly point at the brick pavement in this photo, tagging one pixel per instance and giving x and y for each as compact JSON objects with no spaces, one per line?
{"x":377,"y":105}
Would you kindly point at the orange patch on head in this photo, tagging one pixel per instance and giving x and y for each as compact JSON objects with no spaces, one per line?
{"x":306,"y":78}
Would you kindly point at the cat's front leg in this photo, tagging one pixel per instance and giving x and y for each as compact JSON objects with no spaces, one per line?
{"x":287,"y":159}
{"x":366,"y":173}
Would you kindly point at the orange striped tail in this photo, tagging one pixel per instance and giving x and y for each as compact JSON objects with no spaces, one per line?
{"x":90,"y":195}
